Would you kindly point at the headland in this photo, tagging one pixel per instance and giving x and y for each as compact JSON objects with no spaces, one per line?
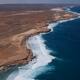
{"x":16,"y":26}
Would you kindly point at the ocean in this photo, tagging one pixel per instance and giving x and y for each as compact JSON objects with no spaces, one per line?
{"x":65,"y":43}
{"x":57,"y":54}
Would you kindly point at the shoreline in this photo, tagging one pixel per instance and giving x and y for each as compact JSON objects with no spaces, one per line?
{"x":20,"y":39}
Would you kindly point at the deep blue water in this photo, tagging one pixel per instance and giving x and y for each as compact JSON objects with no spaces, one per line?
{"x":65,"y":42}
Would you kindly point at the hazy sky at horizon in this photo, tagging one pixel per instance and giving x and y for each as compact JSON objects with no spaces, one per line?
{"x":38,"y":1}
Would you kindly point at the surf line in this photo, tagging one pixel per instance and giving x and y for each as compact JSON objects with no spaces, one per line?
{"x":42,"y":58}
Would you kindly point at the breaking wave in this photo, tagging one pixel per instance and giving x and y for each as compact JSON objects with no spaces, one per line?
{"x":38,"y":65}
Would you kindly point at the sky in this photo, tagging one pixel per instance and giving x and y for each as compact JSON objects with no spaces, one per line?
{"x":38,"y":1}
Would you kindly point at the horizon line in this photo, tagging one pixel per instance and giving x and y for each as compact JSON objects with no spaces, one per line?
{"x":39,"y":3}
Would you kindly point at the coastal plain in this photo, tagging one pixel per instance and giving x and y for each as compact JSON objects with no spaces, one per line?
{"x":16,"y":26}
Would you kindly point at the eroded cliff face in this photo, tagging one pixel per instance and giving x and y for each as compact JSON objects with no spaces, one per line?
{"x":17,"y":26}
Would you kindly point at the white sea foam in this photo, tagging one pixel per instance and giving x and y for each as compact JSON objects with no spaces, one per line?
{"x":37,"y":65}
{"x":52,"y":25}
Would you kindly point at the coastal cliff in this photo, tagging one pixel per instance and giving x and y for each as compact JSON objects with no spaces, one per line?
{"x":17,"y":26}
